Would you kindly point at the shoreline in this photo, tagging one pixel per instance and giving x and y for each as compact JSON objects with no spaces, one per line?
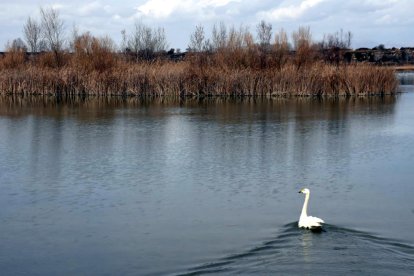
{"x":403,"y":68}
{"x":187,"y":78}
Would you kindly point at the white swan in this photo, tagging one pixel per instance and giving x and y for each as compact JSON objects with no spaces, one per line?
{"x":305,"y":221}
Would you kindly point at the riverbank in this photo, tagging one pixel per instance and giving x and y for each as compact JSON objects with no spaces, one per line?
{"x":407,"y":67}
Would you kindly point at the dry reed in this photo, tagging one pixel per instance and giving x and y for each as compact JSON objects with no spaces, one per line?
{"x":245,"y":73}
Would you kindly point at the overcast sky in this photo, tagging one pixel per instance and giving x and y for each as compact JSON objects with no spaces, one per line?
{"x":372,"y":22}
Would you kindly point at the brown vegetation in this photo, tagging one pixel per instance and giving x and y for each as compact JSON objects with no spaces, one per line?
{"x":183,"y":78}
{"x":231,"y":63}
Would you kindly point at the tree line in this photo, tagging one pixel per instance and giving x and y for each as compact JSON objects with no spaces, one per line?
{"x":145,"y":42}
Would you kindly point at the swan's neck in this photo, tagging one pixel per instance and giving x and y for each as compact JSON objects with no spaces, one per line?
{"x":305,"y":206}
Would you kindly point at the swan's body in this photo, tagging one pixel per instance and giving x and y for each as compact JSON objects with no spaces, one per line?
{"x":305,"y":221}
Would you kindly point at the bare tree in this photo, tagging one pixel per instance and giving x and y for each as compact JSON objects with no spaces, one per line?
{"x":15,"y":54}
{"x":302,"y":38}
{"x":18,"y":44}
{"x":53,"y":31}
{"x":74,"y":37}
{"x":238,"y":39}
{"x":145,"y":41}
{"x":264,"y":33}
{"x":159,"y":40}
{"x":93,"y":53}
{"x":248,"y":39}
{"x":281,"y":48}
{"x":337,"y":40}
{"x":302,"y":43}
{"x":219,"y":36}
{"x":197,"y":39}
{"x":348,"y":39}
{"x":281,"y":40}
{"x":42,"y":46}
{"x":135,"y":41}
{"x":332,"y":46}
{"x":124,"y":41}
{"x":32,"y":34}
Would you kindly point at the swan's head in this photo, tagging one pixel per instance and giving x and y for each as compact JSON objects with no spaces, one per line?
{"x":304,"y":191}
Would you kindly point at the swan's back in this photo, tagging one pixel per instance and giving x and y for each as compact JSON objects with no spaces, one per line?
{"x":310,"y":222}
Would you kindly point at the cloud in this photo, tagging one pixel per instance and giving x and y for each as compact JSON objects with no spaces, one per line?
{"x":91,"y":8}
{"x":366,"y":6}
{"x":291,"y":11}
{"x":372,"y":21}
{"x":160,"y":9}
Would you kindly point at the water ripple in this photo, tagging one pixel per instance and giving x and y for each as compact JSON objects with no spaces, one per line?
{"x":337,"y":250}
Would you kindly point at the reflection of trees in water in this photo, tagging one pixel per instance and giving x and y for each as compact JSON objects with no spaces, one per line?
{"x":224,"y":109}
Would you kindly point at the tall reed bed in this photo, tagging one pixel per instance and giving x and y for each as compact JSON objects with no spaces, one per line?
{"x":184,"y":78}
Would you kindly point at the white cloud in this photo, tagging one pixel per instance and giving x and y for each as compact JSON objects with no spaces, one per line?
{"x":160,"y":9}
{"x":291,"y":11}
{"x":90,"y":8}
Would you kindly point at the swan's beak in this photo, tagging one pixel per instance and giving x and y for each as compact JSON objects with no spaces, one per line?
{"x":300,"y":191}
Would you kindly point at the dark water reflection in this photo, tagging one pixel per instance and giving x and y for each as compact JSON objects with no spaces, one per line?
{"x":228,"y":109}
{"x":163,"y":186}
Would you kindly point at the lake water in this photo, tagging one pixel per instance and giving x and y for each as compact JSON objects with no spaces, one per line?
{"x":132,"y":187}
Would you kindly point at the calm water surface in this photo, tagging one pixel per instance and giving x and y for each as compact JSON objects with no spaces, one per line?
{"x":132,"y":187}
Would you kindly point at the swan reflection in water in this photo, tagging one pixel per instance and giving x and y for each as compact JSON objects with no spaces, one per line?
{"x":307,"y":244}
